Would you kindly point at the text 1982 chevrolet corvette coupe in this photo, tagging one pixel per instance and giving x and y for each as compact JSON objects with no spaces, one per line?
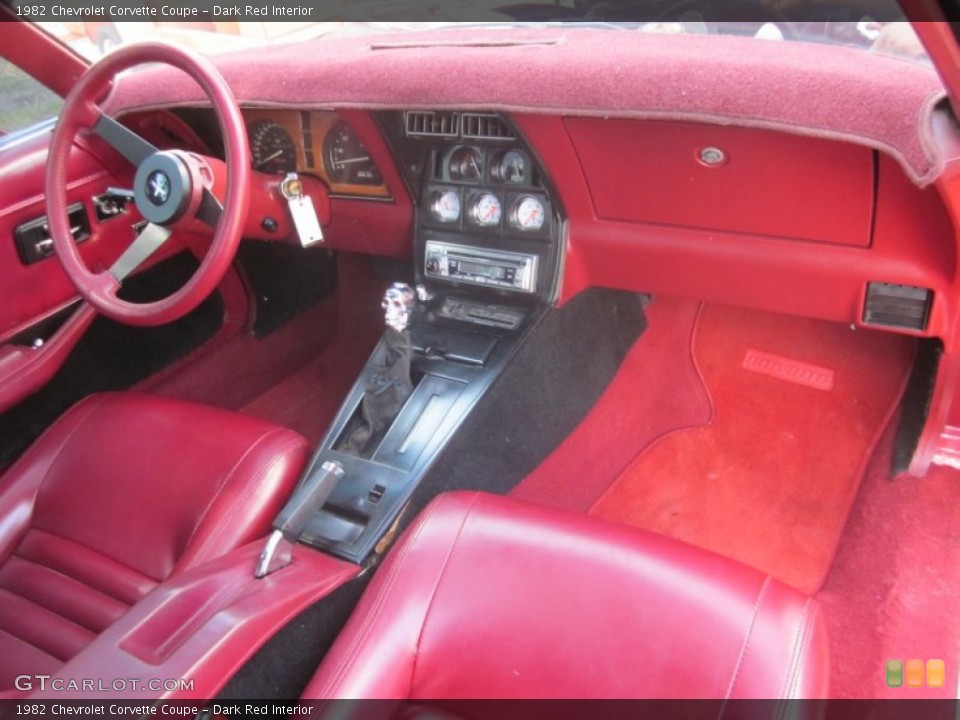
{"x":509,"y":360}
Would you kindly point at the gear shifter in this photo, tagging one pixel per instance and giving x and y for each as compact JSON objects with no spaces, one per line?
{"x":388,"y":383}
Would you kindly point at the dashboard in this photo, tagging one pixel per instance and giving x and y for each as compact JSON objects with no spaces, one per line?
{"x":314,"y":142}
{"x":520,"y":208}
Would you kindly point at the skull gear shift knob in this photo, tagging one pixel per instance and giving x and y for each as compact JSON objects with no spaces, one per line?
{"x":387,"y":385}
{"x":397,"y":303}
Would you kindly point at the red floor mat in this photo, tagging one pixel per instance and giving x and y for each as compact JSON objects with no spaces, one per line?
{"x":656,"y":390}
{"x":799,"y":405}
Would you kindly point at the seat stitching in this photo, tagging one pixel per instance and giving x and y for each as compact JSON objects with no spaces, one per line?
{"x":37,"y":602}
{"x":746,"y":642}
{"x":30,"y":644}
{"x":226,"y":478}
{"x":66,"y":620}
{"x":250,"y":486}
{"x":379,"y":602}
{"x":373,"y":616}
{"x":796,"y":648}
{"x":436,"y":587}
{"x":132,"y":570}
{"x":94,"y":404}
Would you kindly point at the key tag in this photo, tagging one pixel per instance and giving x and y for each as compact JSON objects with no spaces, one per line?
{"x":301,"y":208}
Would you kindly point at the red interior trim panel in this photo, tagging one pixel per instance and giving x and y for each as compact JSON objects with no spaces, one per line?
{"x":752,"y":182}
{"x":203,"y":624}
{"x":803,"y":237}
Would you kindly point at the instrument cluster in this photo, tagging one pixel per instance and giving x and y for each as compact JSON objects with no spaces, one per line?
{"x":487,"y":189}
{"x":317,"y":143}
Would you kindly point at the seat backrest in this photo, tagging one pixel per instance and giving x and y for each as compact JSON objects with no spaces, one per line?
{"x":122,"y":491}
{"x":488,"y":597}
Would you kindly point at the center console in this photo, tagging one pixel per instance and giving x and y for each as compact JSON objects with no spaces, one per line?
{"x":487,"y":254}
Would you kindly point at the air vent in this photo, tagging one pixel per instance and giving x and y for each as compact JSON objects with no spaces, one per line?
{"x":484,"y":126}
{"x":897,"y":306}
{"x":427,"y":123}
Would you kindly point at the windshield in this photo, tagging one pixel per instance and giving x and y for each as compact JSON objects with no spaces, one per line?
{"x":871,"y":25}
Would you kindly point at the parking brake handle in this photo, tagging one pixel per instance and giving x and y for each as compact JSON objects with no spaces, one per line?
{"x":306,"y":502}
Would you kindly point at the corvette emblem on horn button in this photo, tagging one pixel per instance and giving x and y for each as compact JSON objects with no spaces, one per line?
{"x":158,"y":187}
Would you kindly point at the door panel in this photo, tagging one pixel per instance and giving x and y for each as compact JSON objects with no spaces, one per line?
{"x":30,"y":292}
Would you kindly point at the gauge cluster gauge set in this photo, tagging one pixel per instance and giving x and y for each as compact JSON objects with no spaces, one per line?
{"x":314,"y":142}
{"x":488,"y":225}
{"x":492,"y":190}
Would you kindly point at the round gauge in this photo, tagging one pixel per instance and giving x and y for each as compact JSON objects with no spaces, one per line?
{"x":445,"y":205}
{"x":465,"y":164}
{"x":272,"y":149}
{"x":510,"y":167}
{"x":528,"y":213}
{"x":486,"y":210}
{"x":346,"y":160}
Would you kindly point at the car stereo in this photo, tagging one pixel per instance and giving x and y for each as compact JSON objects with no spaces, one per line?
{"x":481,"y":266}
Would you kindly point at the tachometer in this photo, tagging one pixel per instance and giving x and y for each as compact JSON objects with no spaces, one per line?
{"x":346,"y":160}
{"x":272,"y":148}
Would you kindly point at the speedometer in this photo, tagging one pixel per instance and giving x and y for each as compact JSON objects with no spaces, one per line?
{"x":346,"y":160}
{"x":272,"y":149}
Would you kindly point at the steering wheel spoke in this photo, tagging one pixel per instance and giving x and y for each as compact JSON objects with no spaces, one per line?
{"x":150,"y":239}
{"x":210,"y":209}
{"x":126,"y":142}
{"x":169,"y":186}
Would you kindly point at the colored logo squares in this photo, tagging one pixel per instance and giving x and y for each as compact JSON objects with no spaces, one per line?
{"x":914,"y":673}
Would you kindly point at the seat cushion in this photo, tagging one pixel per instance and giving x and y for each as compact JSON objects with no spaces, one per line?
{"x":490,"y":597}
{"x":120,"y":493}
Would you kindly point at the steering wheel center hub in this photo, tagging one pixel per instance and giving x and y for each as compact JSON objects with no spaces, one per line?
{"x":163,"y":188}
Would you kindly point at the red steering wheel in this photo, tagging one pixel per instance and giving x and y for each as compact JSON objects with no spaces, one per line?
{"x":171,"y":188}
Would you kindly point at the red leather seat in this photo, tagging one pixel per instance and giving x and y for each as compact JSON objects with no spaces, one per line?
{"x":489,"y":597}
{"x":121,"y":492}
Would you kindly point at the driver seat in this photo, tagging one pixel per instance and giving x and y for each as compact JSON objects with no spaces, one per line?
{"x":119,"y":494}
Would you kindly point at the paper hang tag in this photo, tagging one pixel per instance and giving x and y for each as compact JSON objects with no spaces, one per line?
{"x":305,"y":220}
{"x":302,"y":211}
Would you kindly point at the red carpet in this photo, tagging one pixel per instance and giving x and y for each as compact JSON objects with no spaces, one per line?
{"x":770,"y":480}
{"x":308,"y":400}
{"x":298,"y":375}
{"x":892,"y":590}
{"x":656,"y":390}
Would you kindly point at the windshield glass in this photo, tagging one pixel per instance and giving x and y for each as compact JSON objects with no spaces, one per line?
{"x":871,"y":25}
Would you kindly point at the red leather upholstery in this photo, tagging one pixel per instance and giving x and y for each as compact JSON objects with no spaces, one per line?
{"x":489,"y":597}
{"x":121,"y":492}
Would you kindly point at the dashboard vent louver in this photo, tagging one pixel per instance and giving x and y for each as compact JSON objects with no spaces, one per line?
{"x":897,"y":306}
{"x":428,"y":123}
{"x":484,"y":126}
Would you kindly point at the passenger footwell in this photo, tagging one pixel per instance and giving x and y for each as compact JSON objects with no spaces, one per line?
{"x":798,"y":407}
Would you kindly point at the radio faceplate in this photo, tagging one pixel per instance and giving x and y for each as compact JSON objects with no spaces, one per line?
{"x":481,"y":266}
